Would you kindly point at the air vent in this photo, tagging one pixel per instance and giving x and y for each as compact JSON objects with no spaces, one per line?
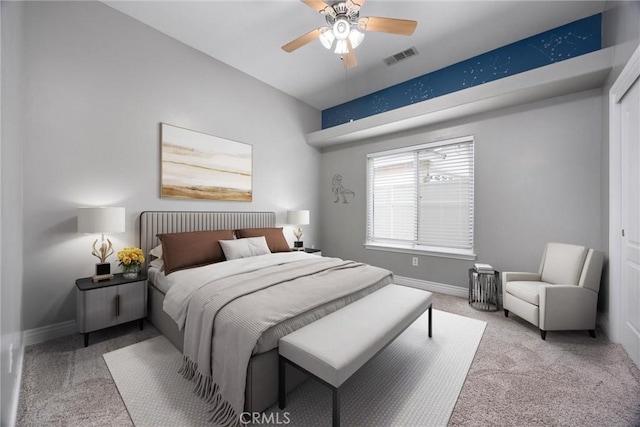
{"x":400,"y":56}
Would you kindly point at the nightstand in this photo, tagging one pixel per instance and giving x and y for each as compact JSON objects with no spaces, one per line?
{"x":110,"y":302}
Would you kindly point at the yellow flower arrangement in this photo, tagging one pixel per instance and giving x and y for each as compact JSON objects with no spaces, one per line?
{"x":130,"y":259}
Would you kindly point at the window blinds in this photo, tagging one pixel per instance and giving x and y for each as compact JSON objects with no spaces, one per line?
{"x":422,"y":195}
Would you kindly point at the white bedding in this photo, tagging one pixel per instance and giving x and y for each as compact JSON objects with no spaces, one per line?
{"x":158,"y":279}
{"x":270,"y":338}
{"x":184,"y":283}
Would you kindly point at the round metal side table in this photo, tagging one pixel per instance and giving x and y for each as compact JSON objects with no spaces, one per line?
{"x":484,"y":290}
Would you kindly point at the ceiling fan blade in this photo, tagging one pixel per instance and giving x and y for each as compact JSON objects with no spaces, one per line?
{"x":350,"y":59}
{"x":354,"y":5}
{"x":319,"y":6}
{"x":403,"y":27}
{"x":302,"y":40}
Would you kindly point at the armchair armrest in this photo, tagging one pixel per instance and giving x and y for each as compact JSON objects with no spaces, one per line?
{"x":567,"y":307}
{"x":517,"y":276}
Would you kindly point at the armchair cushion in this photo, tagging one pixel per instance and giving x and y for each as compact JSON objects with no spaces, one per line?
{"x":518,"y":276}
{"x":563,"y":263}
{"x":525,"y":290}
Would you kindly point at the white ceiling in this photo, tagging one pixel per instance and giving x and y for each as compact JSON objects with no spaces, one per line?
{"x":247,"y":35}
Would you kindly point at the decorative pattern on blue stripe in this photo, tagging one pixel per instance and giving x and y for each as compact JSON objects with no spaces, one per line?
{"x":568,"y":41}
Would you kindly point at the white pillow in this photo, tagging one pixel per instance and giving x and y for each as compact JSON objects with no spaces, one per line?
{"x":156,"y":252}
{"x":157,"y":263}
{"x":244,"y":248}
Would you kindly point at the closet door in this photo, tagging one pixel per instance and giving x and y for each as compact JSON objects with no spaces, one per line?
{"x":630,"y":192}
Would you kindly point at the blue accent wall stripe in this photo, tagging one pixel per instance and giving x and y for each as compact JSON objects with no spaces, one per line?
{"x":568,"y":41}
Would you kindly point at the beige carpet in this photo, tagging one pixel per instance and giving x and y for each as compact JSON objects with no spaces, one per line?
{"x":516,"y":379}
{"x":414,"y":381}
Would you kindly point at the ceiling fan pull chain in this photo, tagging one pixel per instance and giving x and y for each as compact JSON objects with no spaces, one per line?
{"x":346,"y":83}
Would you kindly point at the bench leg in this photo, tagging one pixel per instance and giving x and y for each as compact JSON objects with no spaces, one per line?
{"x":336,"y":407}
{"x":282,"y":398}
{"x":430,"y":321}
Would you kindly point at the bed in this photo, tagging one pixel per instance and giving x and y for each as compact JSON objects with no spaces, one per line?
{"x":261,"y":385}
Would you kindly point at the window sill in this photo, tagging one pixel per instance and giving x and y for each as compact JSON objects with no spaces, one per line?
{"x":437,"y":252}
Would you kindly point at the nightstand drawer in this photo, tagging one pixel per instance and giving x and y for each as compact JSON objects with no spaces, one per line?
{"x":132,"y":301}
{"x":96,"y":309}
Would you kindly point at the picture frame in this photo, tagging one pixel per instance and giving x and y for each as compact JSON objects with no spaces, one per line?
{"x":196,"y":165}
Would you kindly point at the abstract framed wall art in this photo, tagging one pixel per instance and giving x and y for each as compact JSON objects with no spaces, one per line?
{"x":196,"y":165}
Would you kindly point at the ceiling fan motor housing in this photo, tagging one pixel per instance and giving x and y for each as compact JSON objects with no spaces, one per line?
{"x":342,"y":12}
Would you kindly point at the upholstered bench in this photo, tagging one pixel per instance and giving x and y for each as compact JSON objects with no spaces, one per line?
{"x":334,"y":347}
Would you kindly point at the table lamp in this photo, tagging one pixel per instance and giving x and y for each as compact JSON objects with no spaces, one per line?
{"x":102,"y":220}
{"x":298,"y":218}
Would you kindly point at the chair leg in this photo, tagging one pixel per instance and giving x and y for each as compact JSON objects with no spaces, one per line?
{"x":592,"y":333}
{"x":506,"y":313}
{"x":543,"y":334}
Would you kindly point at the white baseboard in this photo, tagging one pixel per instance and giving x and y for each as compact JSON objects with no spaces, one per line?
{"x":46,"y":333}
{"x":432,"y":286}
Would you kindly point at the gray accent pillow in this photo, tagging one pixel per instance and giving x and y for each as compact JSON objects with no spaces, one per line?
{"x":157,"y":251}
{"x":244,"y":248}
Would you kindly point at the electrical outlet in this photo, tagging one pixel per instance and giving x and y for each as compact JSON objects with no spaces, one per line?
{"x":414,"y":261}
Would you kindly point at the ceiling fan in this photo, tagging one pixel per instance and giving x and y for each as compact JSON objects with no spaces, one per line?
{"x":343,"y":24}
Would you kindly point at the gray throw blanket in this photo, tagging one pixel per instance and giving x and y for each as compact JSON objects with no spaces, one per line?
{"x":227,"y":317}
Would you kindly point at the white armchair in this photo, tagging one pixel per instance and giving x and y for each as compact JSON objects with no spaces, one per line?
{"x":563,"y":295}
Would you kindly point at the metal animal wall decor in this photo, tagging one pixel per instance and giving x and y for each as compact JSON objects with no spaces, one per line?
{"x":339,"y":190}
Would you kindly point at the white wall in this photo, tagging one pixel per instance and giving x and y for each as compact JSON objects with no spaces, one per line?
{"x":11,"y":207}
{"x":537,"y":179}
{"x":98,"y":84}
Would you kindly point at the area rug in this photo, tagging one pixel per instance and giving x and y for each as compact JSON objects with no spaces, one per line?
{"x":415,"y":381}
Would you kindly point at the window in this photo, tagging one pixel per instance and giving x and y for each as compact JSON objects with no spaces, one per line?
{"x":420,"y":199}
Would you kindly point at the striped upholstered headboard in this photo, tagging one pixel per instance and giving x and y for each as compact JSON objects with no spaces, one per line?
{"x":153,"y":223}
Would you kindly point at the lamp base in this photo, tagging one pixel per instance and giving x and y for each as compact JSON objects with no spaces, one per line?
{"x":101,"y":277}
{"x":103,"y":272}
{"x":298,"y":244}
{"x":103,"y":268}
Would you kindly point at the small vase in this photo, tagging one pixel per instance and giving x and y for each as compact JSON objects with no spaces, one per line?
{"x":131,"y":272}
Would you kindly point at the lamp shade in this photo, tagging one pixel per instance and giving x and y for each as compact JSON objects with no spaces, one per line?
{"x":101,"y":220}
{"x":298,"y":217}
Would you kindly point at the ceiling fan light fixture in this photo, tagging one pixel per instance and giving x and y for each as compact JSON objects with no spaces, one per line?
{"x":341,"y":47}
{"x":327,"y":38}
{"x":355,"y":37}
{"x":341,"y":29}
